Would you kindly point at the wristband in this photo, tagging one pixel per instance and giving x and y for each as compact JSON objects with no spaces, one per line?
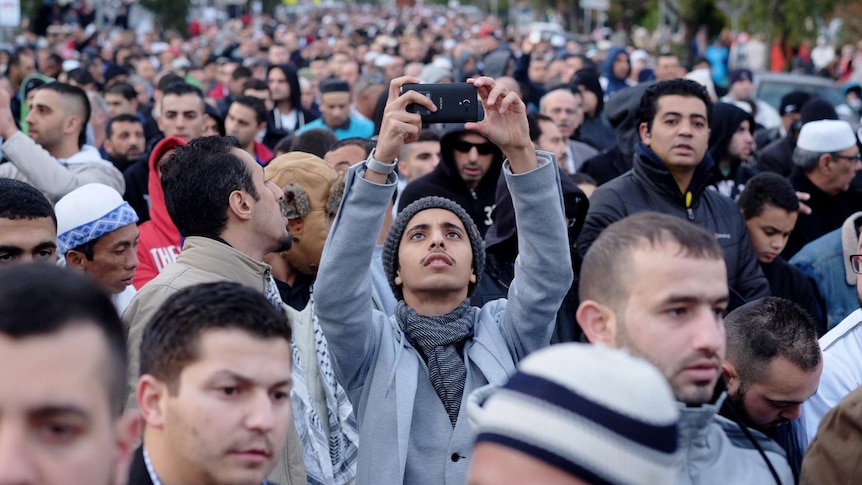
{"x":382,"y":168}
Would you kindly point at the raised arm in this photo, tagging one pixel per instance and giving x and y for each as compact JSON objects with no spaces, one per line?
{"x":33,"y":164}
{"x":543,"y":269}
{"x":342,"y":296}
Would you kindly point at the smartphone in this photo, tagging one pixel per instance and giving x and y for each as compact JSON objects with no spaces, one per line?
{"x":456,"y":102}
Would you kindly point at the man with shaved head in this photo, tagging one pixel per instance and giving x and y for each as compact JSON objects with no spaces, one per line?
{"x":54,"y":158}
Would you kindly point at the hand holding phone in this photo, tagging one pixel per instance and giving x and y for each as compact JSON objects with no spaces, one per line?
{"x":456,"y":102}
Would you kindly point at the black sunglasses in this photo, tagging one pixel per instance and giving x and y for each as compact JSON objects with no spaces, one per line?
{"x":462,"y":146}
{"x":856,"y":263}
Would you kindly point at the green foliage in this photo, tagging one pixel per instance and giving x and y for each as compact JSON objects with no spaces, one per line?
{"x":170,"y":14}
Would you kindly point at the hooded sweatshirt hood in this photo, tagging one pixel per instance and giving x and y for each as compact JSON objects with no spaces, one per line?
{"x":160,"y":241}
{"x":614,"y":83}
{"x":451,"y":133}
{"x":589,"y":79}
{"x":622,"y":113}
{"x":726,"y":119}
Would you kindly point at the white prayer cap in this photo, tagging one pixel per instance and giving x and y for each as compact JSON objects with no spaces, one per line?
{"x":88,"y":213}
{"x":383,"y":60}
{"x":825,"y":136}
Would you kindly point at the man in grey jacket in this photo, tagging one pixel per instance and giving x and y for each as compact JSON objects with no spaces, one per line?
{"x":406,"y":374}
{"x":54,"y":158}
{"x":656,"y":285}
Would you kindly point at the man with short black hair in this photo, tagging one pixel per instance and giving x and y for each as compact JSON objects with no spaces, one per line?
{"x":234,"y":88}
{"x":347,"y":152}
{"x":22,"y":63}
{"x":420,"y":157}
{"x":545,"y":134}
{"x":245,"y":119}
{"x":772,"y":366}
{"x":671,"y":172}
{"x":181,"y":115}
{"x":181,"y":111}
{"x":125,"y":142}
{"x":317,"y":142}
{"x":63,"y":361}
{"x":770,"y":207}
{"x":656,"y":285}
{"x":53,"y":156}
{"x":667,"y":66}
{"x":335,"y":100}
{"x":28,"y":226}
{"x":259,"y":89}
{"x":121,"y":98}
{"x":214,"y":388}
{"x":230,"y":218}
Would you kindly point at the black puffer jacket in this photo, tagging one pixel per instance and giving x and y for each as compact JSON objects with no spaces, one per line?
{"x":445,"y":181}
{"x":649,"y":186}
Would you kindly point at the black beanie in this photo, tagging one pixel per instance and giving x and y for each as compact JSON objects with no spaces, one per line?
{"x":816,"y":109}
{"x":393,"y":239}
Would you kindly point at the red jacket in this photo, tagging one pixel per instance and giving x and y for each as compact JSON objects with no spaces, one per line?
{"x":160,"y":241}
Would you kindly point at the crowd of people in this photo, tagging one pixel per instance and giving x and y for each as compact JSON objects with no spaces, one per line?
{"x":242,"y":257}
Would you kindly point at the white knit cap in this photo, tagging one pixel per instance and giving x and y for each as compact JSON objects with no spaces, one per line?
{"x":599,"y":414}
{"x":88,"y":213}
{"x":825,"y":136}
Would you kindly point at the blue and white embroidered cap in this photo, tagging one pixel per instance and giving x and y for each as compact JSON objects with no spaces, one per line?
{"x":88,"y":213}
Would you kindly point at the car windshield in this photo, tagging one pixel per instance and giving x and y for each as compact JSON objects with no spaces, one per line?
{"x":772,"y":91}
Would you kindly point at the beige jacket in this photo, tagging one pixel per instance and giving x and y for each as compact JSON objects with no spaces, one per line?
{"x":202,"y":260}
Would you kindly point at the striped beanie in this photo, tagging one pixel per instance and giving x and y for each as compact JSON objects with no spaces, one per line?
{"x":596,"y":413}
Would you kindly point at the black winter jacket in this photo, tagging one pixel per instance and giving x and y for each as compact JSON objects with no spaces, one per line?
{"x":649,"y":186}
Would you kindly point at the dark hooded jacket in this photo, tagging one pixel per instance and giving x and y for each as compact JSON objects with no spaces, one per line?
{"x":622,"y":112}
{"x":595,"y":130}
{"x":726,"y":119}
{"x":501,"y":249}
{"x":614,"y":83}
{"x":160,"y":241}
{"x":274,"y":130}
{"x":445,"y":181}
{"x":649,"y":186}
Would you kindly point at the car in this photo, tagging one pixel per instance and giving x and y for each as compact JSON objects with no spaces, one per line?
{"x":772,"y":86}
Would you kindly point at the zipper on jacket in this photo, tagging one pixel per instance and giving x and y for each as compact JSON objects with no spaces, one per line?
{"x":473,"y":193}
{"x":688,"y":198}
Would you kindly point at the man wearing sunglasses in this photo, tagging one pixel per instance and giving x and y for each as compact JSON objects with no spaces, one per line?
{"x":826,"y":160}
{"x":467,"y":174}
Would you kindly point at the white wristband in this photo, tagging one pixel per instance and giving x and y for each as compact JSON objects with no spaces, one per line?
{"x":383,"y":168}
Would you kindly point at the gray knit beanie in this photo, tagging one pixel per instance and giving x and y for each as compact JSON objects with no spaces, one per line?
{"x":393,"y":239}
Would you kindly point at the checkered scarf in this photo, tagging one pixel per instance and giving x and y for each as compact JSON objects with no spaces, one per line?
{"x":440,"y":339}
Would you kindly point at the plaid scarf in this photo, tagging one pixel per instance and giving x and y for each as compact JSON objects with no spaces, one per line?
{"x":440,"y":340}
